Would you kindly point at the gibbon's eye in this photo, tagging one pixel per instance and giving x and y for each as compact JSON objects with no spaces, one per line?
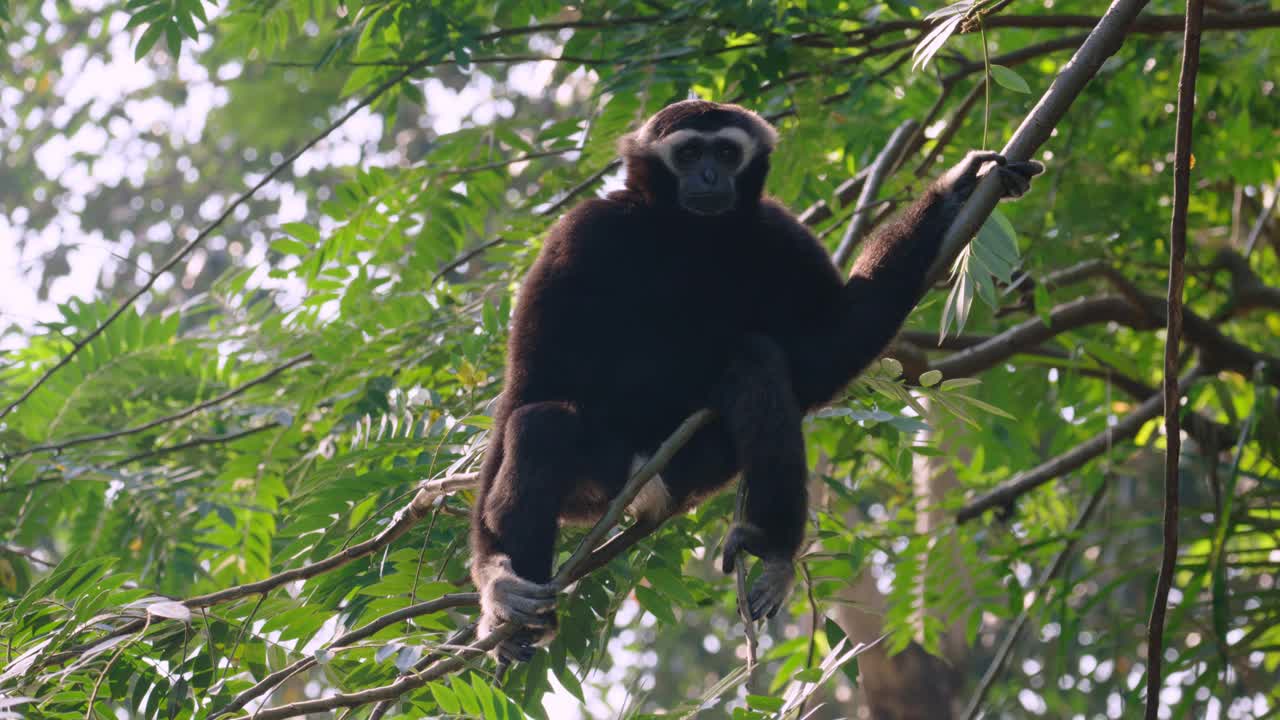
{"x":728,"y":153}
{"x":687,"y":152}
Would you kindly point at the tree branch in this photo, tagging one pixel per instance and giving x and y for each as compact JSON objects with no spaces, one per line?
{"x":269,"y":682}
{"x":1149,"y":24}
{"x":195,"y":442}
{"x":1102,"y":42}
{"x":1017,"y":57}
{"x":949,"y":131}
{"x":1004,"y":494}
{"x":405,"y":518}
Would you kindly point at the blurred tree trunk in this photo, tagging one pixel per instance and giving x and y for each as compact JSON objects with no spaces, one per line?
{"x":912,"y":685}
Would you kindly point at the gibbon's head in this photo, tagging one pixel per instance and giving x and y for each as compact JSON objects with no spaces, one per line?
{"x":703,"y":157}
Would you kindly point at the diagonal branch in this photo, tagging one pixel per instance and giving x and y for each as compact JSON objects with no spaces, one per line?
{"x":1103,"y":41}
{"x":269,"y":682}
{"x":197,"y":442}
{"x":880,"y":169}
{"x":1003,"y":653}
{"x":405,"y":518}
{"x":1004,"y":494}
{"x":567,"y":573}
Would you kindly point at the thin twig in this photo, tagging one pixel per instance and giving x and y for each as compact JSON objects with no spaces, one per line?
{"x":197,"y":442}
{"x":93,"y":697}
{"x":1261,"y":222}
{"x":1003,"y":654}
{"x":1177,"y":273}
{"x":740,"y":579}
{"x":27,"y":553}
{"x":953,"y":124}
{"x":463,"y":259}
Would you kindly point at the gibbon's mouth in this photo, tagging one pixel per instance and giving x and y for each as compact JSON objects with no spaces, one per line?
{"x":707,"y":203}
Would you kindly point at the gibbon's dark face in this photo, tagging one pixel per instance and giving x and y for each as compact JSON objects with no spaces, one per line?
{"x":706,"y":166}
{"x":704,"y":158}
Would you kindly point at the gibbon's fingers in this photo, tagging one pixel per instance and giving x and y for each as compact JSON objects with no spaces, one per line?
{"x":741,"y":538}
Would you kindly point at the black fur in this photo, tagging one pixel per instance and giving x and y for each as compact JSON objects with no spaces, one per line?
{"x":637,"y":313}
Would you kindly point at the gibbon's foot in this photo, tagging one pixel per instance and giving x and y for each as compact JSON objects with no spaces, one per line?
{"x":507,"y":597}
{"x":1015,"y":178}
{"x":771,"y":588}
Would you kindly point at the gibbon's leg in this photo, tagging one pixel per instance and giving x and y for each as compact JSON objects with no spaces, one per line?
{"x":763,"y":420}
{"x":514,"y":530}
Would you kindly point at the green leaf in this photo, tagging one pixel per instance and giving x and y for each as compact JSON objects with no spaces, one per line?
{"x":764,"y":702}
{"x":929,"y":378}
{"x":466,"y":696}
{"x":303,"y":232}
{"x":148,"y":40}
{"x":445,"y":698}
{"x":173,"y":36}
{"x":654,"y":603}
{"x":1009,"y":79}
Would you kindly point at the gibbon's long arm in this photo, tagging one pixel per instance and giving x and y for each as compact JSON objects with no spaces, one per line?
{"x":886,"y":281}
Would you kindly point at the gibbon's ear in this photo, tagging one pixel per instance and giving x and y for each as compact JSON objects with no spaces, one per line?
{"x":629,"y":145}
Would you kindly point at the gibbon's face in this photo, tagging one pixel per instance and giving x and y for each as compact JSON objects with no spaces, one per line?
{"x":706,"y":164}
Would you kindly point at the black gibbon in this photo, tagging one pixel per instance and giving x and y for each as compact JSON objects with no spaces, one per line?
{"x":688,"y":289}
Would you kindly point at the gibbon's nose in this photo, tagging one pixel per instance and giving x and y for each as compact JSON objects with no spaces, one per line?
{"x":709,"y":175}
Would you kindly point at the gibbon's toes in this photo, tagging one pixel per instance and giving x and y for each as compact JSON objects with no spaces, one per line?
{"x":771,"y":589}
{"x":741,"y":538}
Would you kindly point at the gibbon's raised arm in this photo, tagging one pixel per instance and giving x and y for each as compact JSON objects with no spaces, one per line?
{"x":887,"y":281}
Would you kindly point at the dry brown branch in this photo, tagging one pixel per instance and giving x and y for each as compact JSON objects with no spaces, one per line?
{"x":405,"y":518}
{"x":270,"y":682}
